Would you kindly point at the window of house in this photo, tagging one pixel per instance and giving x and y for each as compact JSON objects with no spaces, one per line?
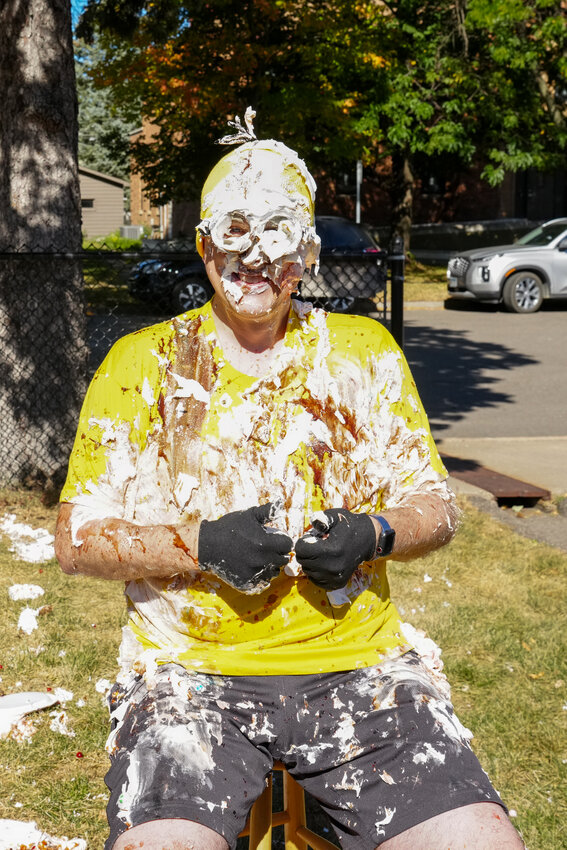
{"x":87,"y":203}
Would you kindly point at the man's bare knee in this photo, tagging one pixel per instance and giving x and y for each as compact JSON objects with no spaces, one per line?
{"x":170,"y":834}
{"x":479,"y":826}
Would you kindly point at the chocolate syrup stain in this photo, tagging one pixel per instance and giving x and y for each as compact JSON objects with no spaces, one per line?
{"x":179,"y":543}
{"x":112,"y":535}
{"x":161,"y":405}
{"x":183,"y":418}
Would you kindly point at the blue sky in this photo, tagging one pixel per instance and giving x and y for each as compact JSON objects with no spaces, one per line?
{"x":77,"y":7}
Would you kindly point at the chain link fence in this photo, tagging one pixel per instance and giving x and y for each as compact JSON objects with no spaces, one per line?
{"x":43,"y":357}
{"x":55,"y":331}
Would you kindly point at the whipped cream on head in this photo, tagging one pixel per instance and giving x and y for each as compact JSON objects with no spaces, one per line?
{"x":257,"y":208}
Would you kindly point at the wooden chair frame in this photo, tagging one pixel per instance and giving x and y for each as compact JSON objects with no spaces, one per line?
{"x":262,"y":819}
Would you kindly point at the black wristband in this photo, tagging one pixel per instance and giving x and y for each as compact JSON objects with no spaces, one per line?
{"x":386,"y":538}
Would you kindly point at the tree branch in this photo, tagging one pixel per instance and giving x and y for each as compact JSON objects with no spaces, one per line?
{"x":558,"y":117}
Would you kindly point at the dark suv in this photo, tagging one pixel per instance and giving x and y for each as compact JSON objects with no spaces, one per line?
{"x":176,"y":280}
{"x":351,"y":266}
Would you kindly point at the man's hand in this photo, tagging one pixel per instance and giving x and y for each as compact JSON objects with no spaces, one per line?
{"x":240,"y":551}
{"x":331,"y":552}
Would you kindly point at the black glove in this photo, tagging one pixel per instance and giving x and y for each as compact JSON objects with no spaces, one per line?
{"x":337,"y":549}
{"x":240,"y":551}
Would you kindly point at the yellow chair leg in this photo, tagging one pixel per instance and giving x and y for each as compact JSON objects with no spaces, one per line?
{"x":294,"y":805}
{"x":261,"y":820}
{"x":292,"y":818}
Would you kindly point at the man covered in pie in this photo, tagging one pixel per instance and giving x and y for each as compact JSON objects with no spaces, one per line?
{"x":248,"y":469}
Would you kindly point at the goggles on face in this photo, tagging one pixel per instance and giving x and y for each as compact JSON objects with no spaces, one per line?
{"x":275,"y":234}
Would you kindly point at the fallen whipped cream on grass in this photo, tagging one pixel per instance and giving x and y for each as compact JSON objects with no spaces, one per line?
{"x":18,"y":592}
{"x":33,"y":545}
{"x":26,"y":835}
{"x":27,"y":621}
{"x":13,"y":707}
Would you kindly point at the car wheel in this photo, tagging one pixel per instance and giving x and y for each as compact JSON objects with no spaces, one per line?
{"x":523,"y":293}
{"x":190,"y":293}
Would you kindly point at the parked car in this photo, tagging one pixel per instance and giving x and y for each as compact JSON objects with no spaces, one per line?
{"x":520,"y":276}
{"x":351,"y":266}
{"x":176,"y":282}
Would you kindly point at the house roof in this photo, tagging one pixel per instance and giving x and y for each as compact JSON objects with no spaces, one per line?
{"x":105,"y":178}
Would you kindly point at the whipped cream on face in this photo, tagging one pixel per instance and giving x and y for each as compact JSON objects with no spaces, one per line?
{"x":271,"y":234}
{"x":269,"y":244}
{"x":235,"y":283}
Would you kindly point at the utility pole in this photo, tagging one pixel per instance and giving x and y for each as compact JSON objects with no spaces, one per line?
{"x":358,"y":185}
{"x":396,"y":261}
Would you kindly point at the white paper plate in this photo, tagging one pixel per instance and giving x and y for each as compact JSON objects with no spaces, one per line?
{"x":25,"y":701}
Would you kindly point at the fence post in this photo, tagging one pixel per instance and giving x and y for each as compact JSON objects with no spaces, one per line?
{"x":396,"y":261}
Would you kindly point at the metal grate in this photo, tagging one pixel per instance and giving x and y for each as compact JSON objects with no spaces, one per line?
{"x":458,"y":266}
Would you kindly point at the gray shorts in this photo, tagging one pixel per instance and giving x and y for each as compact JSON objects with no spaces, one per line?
{"x":380,"y":749}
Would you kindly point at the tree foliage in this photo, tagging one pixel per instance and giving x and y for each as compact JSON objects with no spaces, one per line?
{"x":104,"y":127}
{"x":194,"y":64}
{"x":520,"y":55}
{"x":444,"y":81}
{"x":480,"y":81}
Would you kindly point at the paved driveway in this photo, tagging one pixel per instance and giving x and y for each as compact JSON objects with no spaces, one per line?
{"x":482,"y":372}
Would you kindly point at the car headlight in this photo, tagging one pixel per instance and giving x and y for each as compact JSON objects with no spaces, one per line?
{"x":149,"y":266}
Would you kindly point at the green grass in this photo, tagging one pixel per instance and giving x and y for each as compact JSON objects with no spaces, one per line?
{"x":106,"y":283}
{"x":500,"y":624}
{"x":501,"y":627}
{"x":424,"y":283}
{"x":74,"y":646}
{"x":112,"y":242}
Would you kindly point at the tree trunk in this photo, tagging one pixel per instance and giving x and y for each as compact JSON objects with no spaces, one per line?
{"x":404,"y":188}
{"x":43,"y":353}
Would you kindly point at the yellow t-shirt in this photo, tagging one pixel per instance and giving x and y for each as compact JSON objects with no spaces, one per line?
{"x":170,"y":432}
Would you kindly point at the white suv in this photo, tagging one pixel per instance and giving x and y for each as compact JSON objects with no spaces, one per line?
{"x":519,"y":275}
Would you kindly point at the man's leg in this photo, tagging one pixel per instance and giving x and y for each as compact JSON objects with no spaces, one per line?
{"x":170,"y":834}
{"x":182,"y":772}
{"x":389,"y":761}
{"x":479,"y":826}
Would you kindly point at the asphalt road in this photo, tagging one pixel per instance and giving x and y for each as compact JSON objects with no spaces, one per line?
{"x":482,"y":372}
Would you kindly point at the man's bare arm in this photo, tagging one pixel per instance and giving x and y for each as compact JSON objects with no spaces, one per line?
{"x":423,"y":523}
{"x":116,"y":549}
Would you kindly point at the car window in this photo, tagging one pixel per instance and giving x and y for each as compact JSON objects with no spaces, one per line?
{"x":342,"y":235}
{"x":543,"y":235}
